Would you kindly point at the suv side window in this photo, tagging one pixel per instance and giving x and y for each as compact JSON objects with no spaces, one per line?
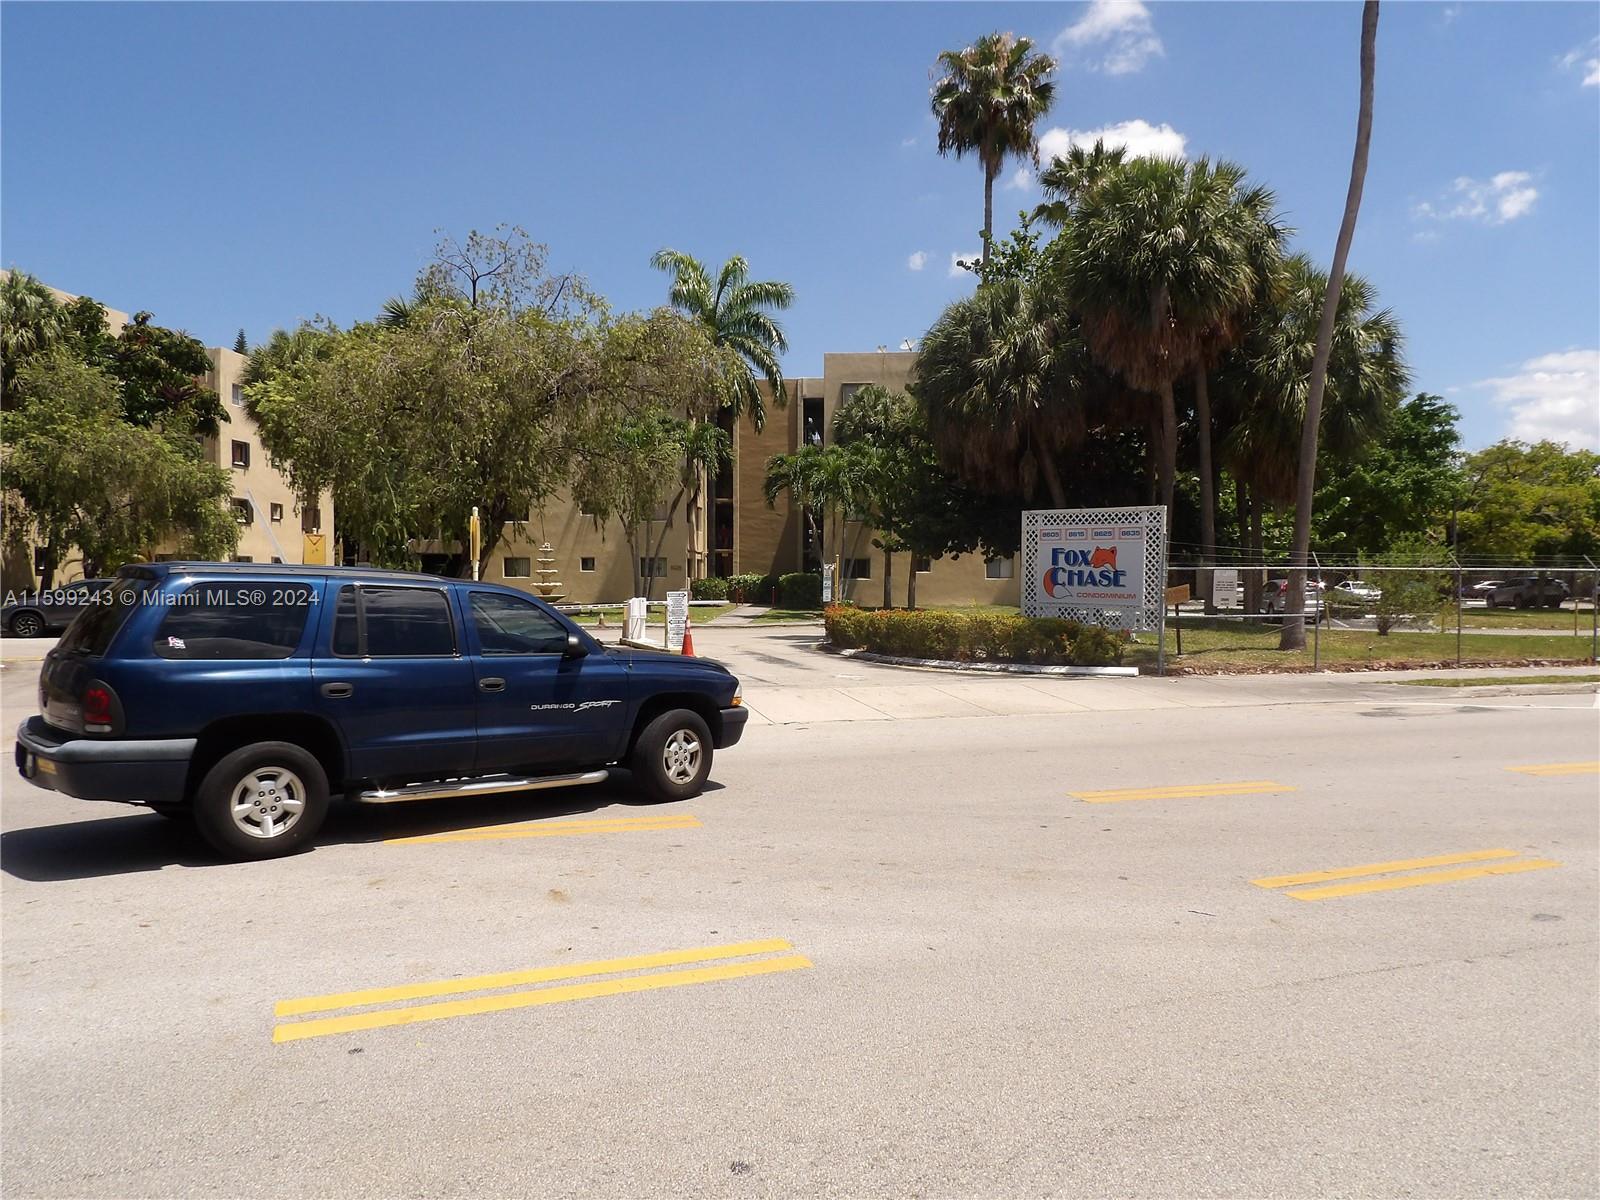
{"x":393,"y":622}
{"x":234,"y":621}
{"x":507,"y":625}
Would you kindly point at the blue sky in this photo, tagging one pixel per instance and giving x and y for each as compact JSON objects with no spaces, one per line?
{"x":248,"y":165}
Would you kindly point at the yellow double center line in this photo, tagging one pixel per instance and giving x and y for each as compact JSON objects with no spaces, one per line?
{"x":538,"y":829}
{"x":1420,"y":879}
{"x":1251,"y":787}
{"x":381,"y":1017}
{"x":1551,"y":769}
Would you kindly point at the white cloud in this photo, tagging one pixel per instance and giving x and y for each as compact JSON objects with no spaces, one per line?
{"x":1494,"y":201}
{"x":1021,"y":179}
{"x":1142,"y":139}
{"x":918,"y":260}
{"x":1554,"y":397}
{"x":1114,"y":36}
{"x":1587,"y":57}
{"x":957,"y":271}
{"x":910,"y":141}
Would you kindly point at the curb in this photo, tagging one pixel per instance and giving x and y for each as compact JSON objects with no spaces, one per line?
{"x":966,"y":668}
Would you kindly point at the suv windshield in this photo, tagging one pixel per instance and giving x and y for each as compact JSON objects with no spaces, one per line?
{"x":91,"y":630}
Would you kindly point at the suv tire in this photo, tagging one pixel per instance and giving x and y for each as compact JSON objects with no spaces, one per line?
{"x":672,"y":756}
{"x":264,"y":800}
{"x":27,"y":624}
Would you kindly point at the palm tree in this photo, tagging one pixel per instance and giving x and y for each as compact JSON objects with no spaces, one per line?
{"x":1265,"y":383}
{"x":734,"y":311}
{"x":1160,"y":260}
{"x":987,"y":102}
{"x":1003,"y":378}
{"x":1069,"y":178}
{"x":31,"y":322}
{"x":831,"y":484}
{"x":1293,"y":636}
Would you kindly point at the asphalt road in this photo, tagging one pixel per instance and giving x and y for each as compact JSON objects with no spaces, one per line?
{"x":911,"y":960}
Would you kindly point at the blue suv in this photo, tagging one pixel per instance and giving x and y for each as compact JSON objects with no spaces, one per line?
{"x":243,"y":697}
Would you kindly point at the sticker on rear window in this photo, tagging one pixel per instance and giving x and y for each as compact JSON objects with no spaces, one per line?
{"x":176,"y":643}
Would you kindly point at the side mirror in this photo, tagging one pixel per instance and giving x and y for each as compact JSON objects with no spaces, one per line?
{"x":575,"y":648}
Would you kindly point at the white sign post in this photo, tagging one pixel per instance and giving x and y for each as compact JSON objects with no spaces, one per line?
{"x":1225,"y":587}
{"x":1098,"y":566}
{"x":827,"y":583}
{"x":677,"y":619}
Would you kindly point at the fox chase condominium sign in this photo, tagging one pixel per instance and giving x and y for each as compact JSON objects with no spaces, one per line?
{"x":1101,"y":565}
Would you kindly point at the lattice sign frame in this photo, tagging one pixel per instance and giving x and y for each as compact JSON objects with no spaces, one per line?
{"x":1043,"y":530}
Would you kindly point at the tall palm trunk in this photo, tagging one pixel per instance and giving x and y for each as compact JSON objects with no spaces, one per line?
{"x":1293,"y":636}
{"x":1208,"y":495}
{"x":888,"y":566}
{"x":989,"y":173}
{"x":1168,"y":467}
{"x":911,"y":585}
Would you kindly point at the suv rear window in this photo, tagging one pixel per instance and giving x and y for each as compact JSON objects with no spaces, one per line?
{"x":235,"y":620}
{"x":91,"y":630}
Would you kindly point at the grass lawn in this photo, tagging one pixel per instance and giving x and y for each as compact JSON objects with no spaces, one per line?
{"x":1243,"y":646}
{"x":656,"y":616}
{"x":1498,"y":680}
{"x":1519,"y":618}
{"x":790,"y":614}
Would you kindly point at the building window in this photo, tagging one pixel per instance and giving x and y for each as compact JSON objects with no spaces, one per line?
{"x":517,"y":568}
{"x":242,"y":511}
{"x":237,"y":396}
{"x":858,"y":568}
{"x":811,"y":430}
{"x":276,"y":559}
{"x":586,"y":563}
{"x":244,"y":558}
{"x":653,"y":568}
{"x":40,"y":554}
{"x":241,"y":454}
{"x":311,"y":520}
{"x":998,"y":568}
{"x":277,"y":511}
{"x":921,"y":564}
{"x":847,"y":392}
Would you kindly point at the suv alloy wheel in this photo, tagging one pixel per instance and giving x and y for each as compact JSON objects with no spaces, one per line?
{"x":262,"y":801}
{"x":672,"y":757}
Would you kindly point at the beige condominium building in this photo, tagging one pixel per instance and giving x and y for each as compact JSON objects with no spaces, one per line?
{"x":727,"y":527}
{"x":273,"y":526}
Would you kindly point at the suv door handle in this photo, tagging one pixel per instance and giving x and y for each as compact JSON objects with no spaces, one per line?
{"x":337,"y":691}
{"x":492,"y":683}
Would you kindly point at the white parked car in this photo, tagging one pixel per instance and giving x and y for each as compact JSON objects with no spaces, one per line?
{"x":1354,"y":593}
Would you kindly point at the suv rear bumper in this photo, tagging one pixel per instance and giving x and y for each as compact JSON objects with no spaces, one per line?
{"x":95,"y":769}
{"x":733,"y":722}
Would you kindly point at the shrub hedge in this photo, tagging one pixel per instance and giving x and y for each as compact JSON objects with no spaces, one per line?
{"x":737,"y":589}
{"x":973,"y":637}
{"x":800,"y":590}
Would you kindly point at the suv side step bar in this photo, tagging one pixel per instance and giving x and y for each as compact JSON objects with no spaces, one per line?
{"x":486,"y":786}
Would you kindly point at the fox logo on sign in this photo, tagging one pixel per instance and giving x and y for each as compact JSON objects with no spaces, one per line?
{"x":1104,"y":556}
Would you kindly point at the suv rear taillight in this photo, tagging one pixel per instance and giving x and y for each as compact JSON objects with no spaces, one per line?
{"x":102,"y":711}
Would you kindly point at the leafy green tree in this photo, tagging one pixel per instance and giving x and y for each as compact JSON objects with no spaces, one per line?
{"x":987,"y":100}
{"x":1069,"y":178}
{"x":737,"y":312}
{"x":1404,"y":596}
{"x":240,"y":345}
{"x":78,"y":474}
{"x":1403,"y":483}
{"x":1521,"y":503}
{"x":160,"y":371}
{"x":829,"y":484}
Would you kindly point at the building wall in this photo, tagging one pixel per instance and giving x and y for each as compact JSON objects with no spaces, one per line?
{"x":278,"y":528}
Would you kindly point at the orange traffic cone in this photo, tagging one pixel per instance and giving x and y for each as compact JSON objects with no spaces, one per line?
{"x":688,"y":638}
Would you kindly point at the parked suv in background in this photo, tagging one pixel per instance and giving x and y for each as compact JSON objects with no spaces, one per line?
{"x":33,"y":614}
{"x":244,"y":696}
{"x":1277,"y":597}
{"x":1526,"y":592}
